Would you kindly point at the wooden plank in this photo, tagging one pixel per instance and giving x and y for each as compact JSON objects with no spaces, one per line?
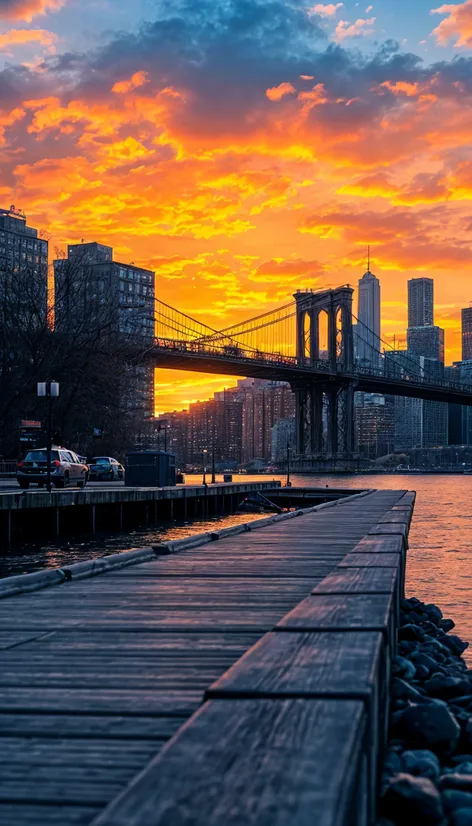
{"x":81,"y":726}
{"x":341,"y":612}
{"x":163,"y":702}
{"x":257,"y":763}
{"x":305,"y":664}
{"x":380,"y":545}
{"x":390,"y":528}
{"x":398,"y":517}
{"x":359,"y":581}
{"x":31,"y":814}
{"x":366,"y":560}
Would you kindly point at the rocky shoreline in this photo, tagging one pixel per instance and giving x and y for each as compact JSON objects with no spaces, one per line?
{"x":427,"y":773}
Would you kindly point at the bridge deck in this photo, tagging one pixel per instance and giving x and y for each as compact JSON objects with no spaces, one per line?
{"x":97,"y":674}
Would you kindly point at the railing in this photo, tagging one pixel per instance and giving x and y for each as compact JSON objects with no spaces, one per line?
{"x":7,"y":469}
{"x":225,"y":352}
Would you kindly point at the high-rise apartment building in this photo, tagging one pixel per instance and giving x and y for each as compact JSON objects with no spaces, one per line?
{"x":367,"y":330}
{"x":466,"y":324}
{"x":22,"y":252}
{"x":95,"y":292}
{"x":264,"y":404}
{"x":420,"y":302}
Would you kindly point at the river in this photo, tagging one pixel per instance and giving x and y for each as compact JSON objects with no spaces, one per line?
{"x":439,"y":567}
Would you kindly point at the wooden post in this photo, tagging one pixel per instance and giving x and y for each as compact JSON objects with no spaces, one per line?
{"x":93,"y":519}
{"x":155,"y":510}
{"x":58,"y":521}
{"x":120,"y":516}
{"x":9,"y":528}
{"x":171,"y":508}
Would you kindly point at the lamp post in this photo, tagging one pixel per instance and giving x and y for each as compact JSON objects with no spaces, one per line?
{"x":288,"y":483}
{"x":49,"y":390}
{"x":213,"y":475}
{"x":205,"y":451}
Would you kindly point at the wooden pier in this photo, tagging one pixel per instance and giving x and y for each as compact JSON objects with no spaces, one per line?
{"x":264,"y":656}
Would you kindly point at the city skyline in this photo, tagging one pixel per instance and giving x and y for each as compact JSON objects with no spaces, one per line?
{"x":266,"y":164}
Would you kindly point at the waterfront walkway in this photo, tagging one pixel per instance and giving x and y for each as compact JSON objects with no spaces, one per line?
{"x":97,"y":674}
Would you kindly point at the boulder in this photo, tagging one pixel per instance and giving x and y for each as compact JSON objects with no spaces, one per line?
{"x":401,"y":690}
{"x":421,"y":762}
{"x":401,"y":667}
{"x":454,"y":799}
{"x":434,"y":613}
{"x":455,"y":644}
{"x":410,"y":633}
{"x":430,"y":726}
{"x":462,"y":817}
{"x":447,"y":625}
{"x":439,"y":685}
{"x":456,"y":781}
{"x":410,"y":800}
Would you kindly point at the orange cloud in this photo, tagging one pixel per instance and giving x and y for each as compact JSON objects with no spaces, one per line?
{"x":22,"y":37}
{"x":280,"y":91}
{"x":27,"y":9}
{"x":325,"y":9}
{"x":135,"y":81}
{"x":361,"y":28}
{"x":457,"y":25}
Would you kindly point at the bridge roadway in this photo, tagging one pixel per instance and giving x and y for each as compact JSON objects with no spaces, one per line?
{"x":282,"y":368}
{"x":97,"y":674}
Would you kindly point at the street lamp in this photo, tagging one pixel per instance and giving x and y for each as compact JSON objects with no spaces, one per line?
{"x":288,"y":483}
{"x":49,"y":390}
{"x":205,"y":451}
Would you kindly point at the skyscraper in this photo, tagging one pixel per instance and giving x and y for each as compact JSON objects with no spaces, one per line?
{"x":367,"y":330}
{"x":466,"y":319}
{"x":420,"y":302}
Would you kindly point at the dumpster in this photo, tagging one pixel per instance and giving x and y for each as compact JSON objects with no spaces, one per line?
{"x":150,"y":468}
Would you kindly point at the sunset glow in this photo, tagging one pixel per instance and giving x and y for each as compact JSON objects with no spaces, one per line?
{"x":244,"y":150}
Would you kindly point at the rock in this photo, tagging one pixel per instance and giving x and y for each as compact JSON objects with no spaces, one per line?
{"x":456,"y":781}
{"x":455,"y":799}
{"x":446,"y":687}
{"x":455,"y":644}
{"x":393,"y":763}
{"x":430,"y":726}
{"x":461,"y":758}
{"x":410,"y":633}
{"x":412,"y":800}
{"x":421,"y":762}
{"x":401,"y":690}
{"x":462,"y":817}
{"x":447,"y":624}
{"x":401,"y":667}
{"x":463,"y":768}
{"x":434,"y":613}
{"x":422,"y":673}
{"x":467,"y":733}
{"x":419,"y":658}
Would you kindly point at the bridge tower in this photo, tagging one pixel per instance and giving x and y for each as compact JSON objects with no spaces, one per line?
{"x":325,"y":407}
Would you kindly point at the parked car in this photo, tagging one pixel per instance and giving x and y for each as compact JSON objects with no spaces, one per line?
{"x":106,"y":468}
{"x":66,"y":468}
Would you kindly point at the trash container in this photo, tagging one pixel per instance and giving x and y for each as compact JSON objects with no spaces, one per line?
{"x":150,"y":468}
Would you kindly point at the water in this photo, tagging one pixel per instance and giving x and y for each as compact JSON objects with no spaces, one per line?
{"x":439,"y":560}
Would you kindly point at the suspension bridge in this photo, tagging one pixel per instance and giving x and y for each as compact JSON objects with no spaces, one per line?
{"x":284,"y":345}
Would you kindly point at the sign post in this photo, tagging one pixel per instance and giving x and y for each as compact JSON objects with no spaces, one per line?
{"x":49,"y":390}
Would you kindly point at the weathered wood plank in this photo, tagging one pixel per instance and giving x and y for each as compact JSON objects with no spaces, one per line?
{"x":366,"y":560}
{"x":380,"y":545}
{"x":81,"y":726}
{"x":30,"y":814}
{"x":340,"y":612}
{"x":305,"y":664}
{"x":257,"y":763}
{"x":359,"y":581}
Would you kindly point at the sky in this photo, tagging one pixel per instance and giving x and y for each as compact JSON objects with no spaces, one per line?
{"x":244,"y":149}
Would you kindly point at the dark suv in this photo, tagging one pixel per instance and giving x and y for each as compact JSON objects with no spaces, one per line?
{"x":106,"y":468}
{"x":66,"y":468}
